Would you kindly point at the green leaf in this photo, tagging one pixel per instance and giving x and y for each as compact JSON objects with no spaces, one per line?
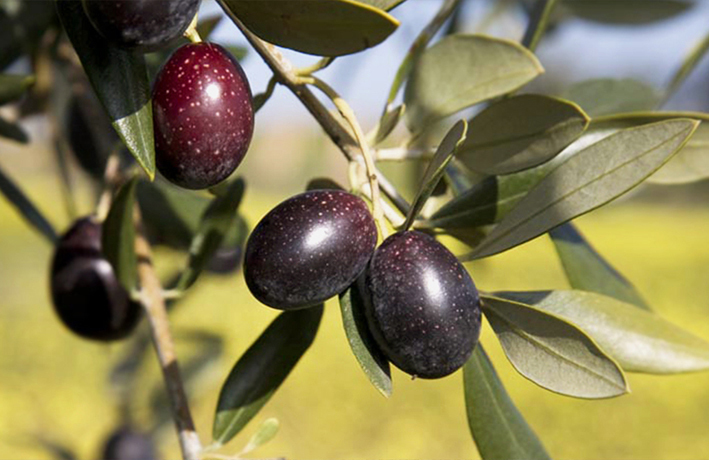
{"x":436,"y":168}
{"x":264,"y":433}
{"x":26,"y":208}
{"x":206,"y":26}
{"x":262,"y":369}
{"x":499,"y":430}
{"x":521,"y":132}
{"x":608,"y":96}
{"x":120,"y":79}
{"x":385,"y":5}
{"x":323,"y":183}
{"x":13,"y":131}
{"x":325,"y":28}
{"x":370,"y":358}
{"x":12,"y":87}
{"x":387,"y":123}
{"x":587,"y":270}
{"x":552,"y":352}
{"x":118,"y":236}
{"x":587,"y":180}
{"x":689,"y":63}
{"x":639,"y":340}
{"x":214,"y":225}
{"x":462,"y":70}
{"x":627,"y":11}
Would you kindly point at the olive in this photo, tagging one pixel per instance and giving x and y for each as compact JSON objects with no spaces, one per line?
{"x":146,"y":25}
{"x":309,"y":248}
{"x":126,"y":443}
{"x":86,"y":294}
{"x":202,"y":115}
{"x":425,"y":309}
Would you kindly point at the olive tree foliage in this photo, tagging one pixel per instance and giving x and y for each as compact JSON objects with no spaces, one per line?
{"x":522,"y":166}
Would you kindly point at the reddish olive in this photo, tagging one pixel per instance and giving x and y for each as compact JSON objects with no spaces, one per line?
{"x":147,"y":25}
{"x":85,"y":291}
{"x":309,"y":248}
{"x":203,"y":116}
{"x":425,"y":309}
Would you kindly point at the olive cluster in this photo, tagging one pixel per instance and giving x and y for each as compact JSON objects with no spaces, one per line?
{"x":421,"y":305}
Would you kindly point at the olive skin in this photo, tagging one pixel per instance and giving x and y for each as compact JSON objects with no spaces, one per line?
{"x":424,"y":311}
{"x":309,"y":248}
{"x":144,"y":25}
{"x":86,"y":294}
{"x":126,"y":443}
{"x":202,"y":116}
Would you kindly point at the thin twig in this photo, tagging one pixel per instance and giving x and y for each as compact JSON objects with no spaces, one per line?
{"x":154,"y":303}
{"x":349,"y":115}
{"x":334,"y":127}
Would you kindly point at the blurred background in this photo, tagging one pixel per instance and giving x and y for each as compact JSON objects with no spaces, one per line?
{"x":60,"y":394}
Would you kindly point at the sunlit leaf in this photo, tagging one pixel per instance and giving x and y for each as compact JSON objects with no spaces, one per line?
{"x":385,"y":5}
{"x":639,"y":340}
{"x":118,"y":236}
{"x":120,"y":79}
{"x":265,"y":432}
{"x":331,"y":28}
{"x":587,"y":180}
{"x":463,"y":70}
{"x":369,"y":356}
{"x":387,"y":123}
{"x":498,"y":428}
{"x":608,"y":96}
{"x":521,"y":132}
{"x":587,"y":270}
{"x":552,"y":352}
{"x":262,"y":369}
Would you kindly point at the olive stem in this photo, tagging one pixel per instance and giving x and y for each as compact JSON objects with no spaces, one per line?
{"x":320,"y":65}
{"x":403,"y":153}
{"x":351,"y":118}
{"x":335,"y":128}
{"x":153,"y":301}
{"x":261,"y":98}
{"x":191,"y":33}
{"x":109,"y":181}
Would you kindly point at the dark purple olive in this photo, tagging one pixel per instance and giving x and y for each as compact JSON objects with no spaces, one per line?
{"x":146,"y":25}
{"x":203,"y":116}
{"x":128,"y":444}
{"x":85,"y":291}
{"x":309,"y":248}
{"x":425,"y":310}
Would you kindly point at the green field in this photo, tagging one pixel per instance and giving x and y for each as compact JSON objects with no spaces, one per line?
{"x":56,"y":386}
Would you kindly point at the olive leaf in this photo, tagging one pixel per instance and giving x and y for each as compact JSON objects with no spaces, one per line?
{"x":331,"y":28}
{"x":387,"y":123}
{"x":17,"y":198}
{"x":120,"y":79}
{"x":385,"y":5}
{"x":265,"y":433}
{"x":606,"y":96}
{"x":587,"y":270}
{"x":641,"y":341}
{"x":262,"y":369}
{"x":689,"y":63}
{"x":552,"y":352}
{"x":370,"y":358}
{"x":498,"y":428}
{"x":587,"y":180}
{"x":627,"y":11}
{"x":521,"y":132}
{"x":436,"y":168}
{"x":12,"y":87}
{"x":462,"y":70}
{"x":118,"y":236}
{"x":214,"y":224}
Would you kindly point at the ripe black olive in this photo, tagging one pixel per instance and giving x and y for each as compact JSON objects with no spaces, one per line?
{"x":202,"y":116}
{"x":146,"y":25}
{"x":128,"y":444}
{"x":309,"y":248}
{"x":86,"y":294}
{"x":425,"y":309}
